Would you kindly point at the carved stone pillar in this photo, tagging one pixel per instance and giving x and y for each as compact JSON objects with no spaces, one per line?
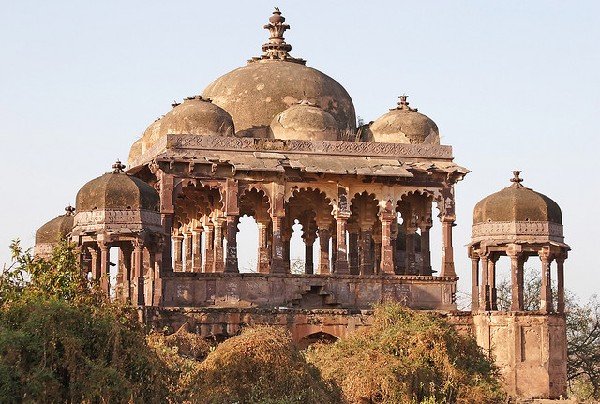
{"x":493,"y":296}
{"x":411,"y":264}
{"x":474,"y":282}
{"x":353,"y":262}
{"x":167,"y":213}
{"x":197,"y":250}
{"x":219,"y":262}
{"x":425,"y":267}
{"x":324,"y":249}
{"x":286,"y":236}
{"x":560,"y":304}
{"x":546,"y":293}
{"x":177,"y":252}
{"x":209,"y":243}
{"x":187,"y":251}
{"x":342,"y":267}
{"x":137,"y":295}
{"x":333,"y":251}
{"x":447,"y":250}
{"x":387,"y":253}
{"x":394,"y":238}
{"x":484,"y":301}
{"x":516,"y":270}
{"x":94,"y":263}
{"x":124,"y":286}
{"x":104,"y":267}
{"x":158,"y":253}
{"x":277,"y":265}
{"x":309,"y":265}
{"x":231,"y":265}
{"x":366,"y":255}
{"x":263,"y":250}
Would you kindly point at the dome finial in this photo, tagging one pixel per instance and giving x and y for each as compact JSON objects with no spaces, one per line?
{"x":118,"y":167}
{"x":516,"y":180}
{"x":403,"y":104}
{"x":70,"y":211}
{"x":277,"y":48}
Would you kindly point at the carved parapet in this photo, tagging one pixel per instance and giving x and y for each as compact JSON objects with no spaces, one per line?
{"x":542,"y":231}
{"x":117,"y":221}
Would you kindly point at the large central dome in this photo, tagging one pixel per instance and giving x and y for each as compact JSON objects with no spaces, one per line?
{"x":256,"y":93}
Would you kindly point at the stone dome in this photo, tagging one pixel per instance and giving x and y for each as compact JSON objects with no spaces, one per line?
{"x":517,"y":203}
{"x":195,"y":116}
{"x":304,"y":121}
{"x":405,"y":125}
{"x":135,"y":151}
{"x":270,"y":84}
{"x":52,"y":230}
{"x":117,"y":191}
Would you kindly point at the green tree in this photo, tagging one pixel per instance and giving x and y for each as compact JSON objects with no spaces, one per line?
{"x":409,"y":357}
{"x":61,"y":340}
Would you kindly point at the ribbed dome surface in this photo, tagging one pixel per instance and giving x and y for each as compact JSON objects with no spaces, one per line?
{"x":256,"y":93}
{"x":52,"y":230}
{"x":117,"y":190}
{"x":304,"y":122}
{"x":405,"y":125}
{"x":517,"y":203}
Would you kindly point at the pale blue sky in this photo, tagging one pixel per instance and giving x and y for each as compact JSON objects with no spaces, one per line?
{"x":511,"y":85}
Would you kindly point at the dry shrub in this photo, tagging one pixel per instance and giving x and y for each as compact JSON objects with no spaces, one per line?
{"x":262,"y":365}
{"x":408,"y":357}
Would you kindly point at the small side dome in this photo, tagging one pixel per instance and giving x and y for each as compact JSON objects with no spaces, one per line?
{"x":304,"y":121}
{"x":47,"y":235}
{"x":151,"y":135}
{"x":405,"y":125}
{"x":117,"y":190}
{"x":196,"y":116}
{"x":517,"y":203}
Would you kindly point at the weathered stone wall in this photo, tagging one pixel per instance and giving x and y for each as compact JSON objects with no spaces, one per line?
{"x":305,"y":291}
{"x":530,"y":348}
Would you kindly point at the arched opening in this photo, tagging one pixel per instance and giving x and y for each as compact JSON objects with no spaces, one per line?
{"x":317,"y":337}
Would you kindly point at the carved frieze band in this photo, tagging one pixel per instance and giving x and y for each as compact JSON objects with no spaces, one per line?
{"x":117,"y":221}
{"x":517,"y":228}
{"x":364,"y":149}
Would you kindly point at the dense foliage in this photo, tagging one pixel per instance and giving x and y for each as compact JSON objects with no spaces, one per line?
{"x":62,"y":341}
{"x":408,"y":357}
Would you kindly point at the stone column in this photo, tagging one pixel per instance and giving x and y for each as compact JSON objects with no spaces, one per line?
{"x":387,"y":253}
{"x":333,"y":250}
{"x":187,"y":252}
{"x":342,"y":267}
{"x":474,"y":282}
{"x":324,"y":249}
{"x":219,"y":263}
{"x":366,"y":256}
{"x":308,"y":260}
{"x":411,"y":264}
{"x":484,"y":300}
{"x":125,"y":271}
{"x":167,"y":213}
{"x":95,"y":263}
{"x":353,"y":262}
{"x":546,"y":293}
{"x":209,"y":243}
{"x":447,"y":250}
{"x":493,"y":296}
{"x":425,"y":267}
{"x":104,"y":267}
{"x":560,"y":304}
{"x":286,"y":236}
{"x":516,"y":270}
{"x":231,"y":264}
{"x":158,"y":253}
{"x":137,"y":297}
{"x":277,"y":265}
{"x":177,"y":252}
{"x":263,"y":250}
{"x":197,"y":250}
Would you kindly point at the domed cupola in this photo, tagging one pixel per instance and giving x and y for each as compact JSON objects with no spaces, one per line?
{"x":516,"y":212}
{"x":304,"y":121}
{"x":272,"y":83}
{"x":195,"y":116}
{"x":48,"y":235}
{"x":404,"y":124}
{"x":117,"y":203}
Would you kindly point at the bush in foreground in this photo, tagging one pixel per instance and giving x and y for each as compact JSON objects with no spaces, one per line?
{"x":408,"y":357}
